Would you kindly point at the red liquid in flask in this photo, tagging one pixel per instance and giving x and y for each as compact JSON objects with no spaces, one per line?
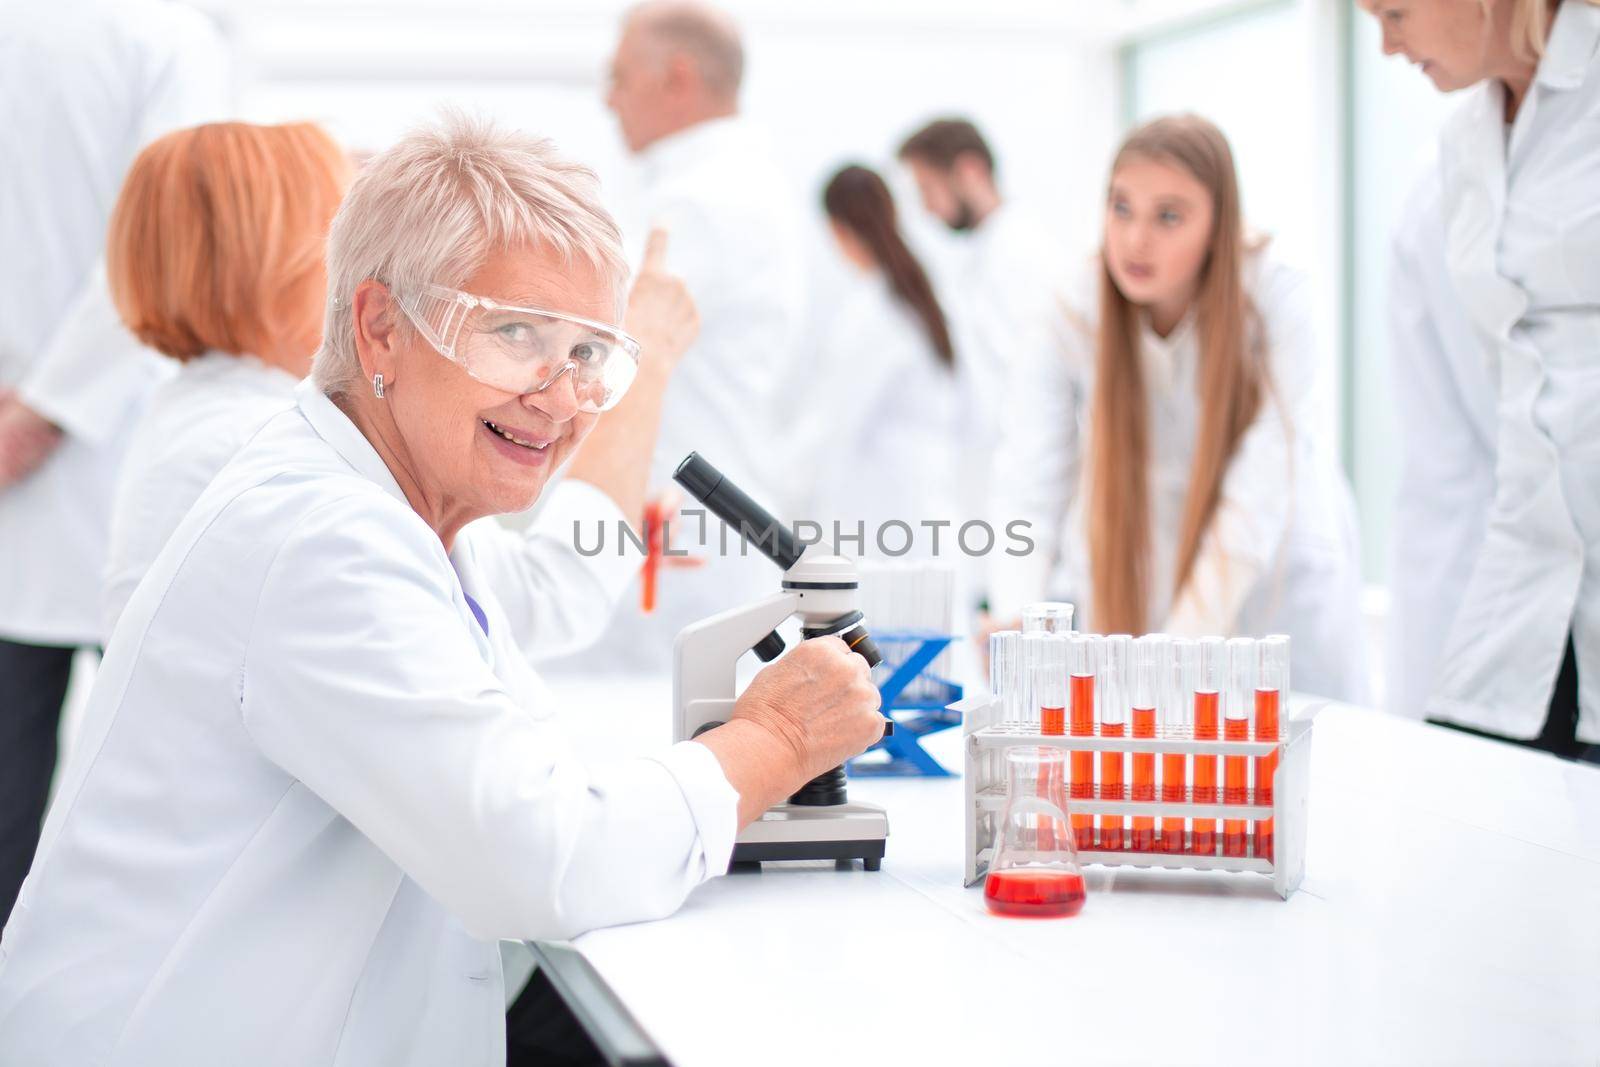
{"x":1040,"y":894}
{"x":1235,"y":788}
{"x":1082,"y":700}
{"x":1144,"y":781}
{"x":1266,"y":766}
{"x":1205,"y":771}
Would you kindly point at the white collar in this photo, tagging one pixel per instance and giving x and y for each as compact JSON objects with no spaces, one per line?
{"x":1574,"y":40}
{"x":345,"y":438}
{"x":691,"y":144}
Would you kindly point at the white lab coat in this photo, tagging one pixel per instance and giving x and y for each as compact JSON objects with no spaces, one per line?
{"x":1280,"y":556}
{"x":1445,"y":408}
{"x":736,"y":240}
{"x":1522,"y":239}
{"x":885,"y":425}
{"x":312,"y":792}
{"x":87,"y":84}
{"x":556,"y":599}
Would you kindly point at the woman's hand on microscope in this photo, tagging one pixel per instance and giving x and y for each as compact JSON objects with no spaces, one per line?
{"x":808,"y":712}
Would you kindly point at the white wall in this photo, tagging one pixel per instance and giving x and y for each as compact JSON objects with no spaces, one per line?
{"x":833,"y":82}
{"x":1396,"y":115}
{"x":1254,"y":72}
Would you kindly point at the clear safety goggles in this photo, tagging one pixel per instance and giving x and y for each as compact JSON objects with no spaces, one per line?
{"x":523,"y":349}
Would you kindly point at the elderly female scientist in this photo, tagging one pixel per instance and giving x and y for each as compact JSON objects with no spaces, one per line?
{"x":317,"y":779}
{"x":254,"y":203}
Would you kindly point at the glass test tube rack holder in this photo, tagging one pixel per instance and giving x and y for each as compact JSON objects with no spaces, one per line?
{"x":986,"y":739}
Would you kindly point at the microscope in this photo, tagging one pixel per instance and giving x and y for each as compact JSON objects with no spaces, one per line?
{"x":819,"y":821}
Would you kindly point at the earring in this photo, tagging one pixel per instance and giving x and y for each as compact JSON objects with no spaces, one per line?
{"x":377,"y":386}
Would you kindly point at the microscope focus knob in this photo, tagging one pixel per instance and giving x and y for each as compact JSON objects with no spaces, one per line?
{"x":769,"y":647}
{"x":862,"y":645}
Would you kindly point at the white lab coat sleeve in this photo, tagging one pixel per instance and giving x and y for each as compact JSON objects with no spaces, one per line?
{"x":92,"y":367}
{"x":362,"y":681}
{"x":1035,"y":468}
{"x":1251,"y":520}
{"x":557,"y":600}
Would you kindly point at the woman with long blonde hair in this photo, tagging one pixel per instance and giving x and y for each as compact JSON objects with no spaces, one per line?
{"x":1172,"y":463}
{"x":1495,"y":319}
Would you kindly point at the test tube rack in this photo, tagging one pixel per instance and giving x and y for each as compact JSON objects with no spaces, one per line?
{"x":986,"y":738}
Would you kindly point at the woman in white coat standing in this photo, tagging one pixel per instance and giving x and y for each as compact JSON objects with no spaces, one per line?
{"x":881,"y":392}
{"x":318,"y":781}
{"x":1502,"y":636}
{"x":1171,"y":462}
{"x":86,"y":83}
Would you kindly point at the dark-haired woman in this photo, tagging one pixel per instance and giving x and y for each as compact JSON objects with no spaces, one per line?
{"x":881,"y":391}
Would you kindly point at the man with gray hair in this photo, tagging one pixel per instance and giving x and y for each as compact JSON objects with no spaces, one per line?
{"x":736,"y":228}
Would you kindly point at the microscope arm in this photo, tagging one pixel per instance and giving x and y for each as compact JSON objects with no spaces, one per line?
{"x":706,"y":653}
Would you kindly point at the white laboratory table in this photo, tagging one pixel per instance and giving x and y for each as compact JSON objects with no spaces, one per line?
{"x":1450,"y":913}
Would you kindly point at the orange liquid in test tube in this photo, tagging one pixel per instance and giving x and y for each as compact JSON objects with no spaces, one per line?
{"x":1082,"y":725}
{"x":1205,"y":770}
{"x":1052,"y":721}
{"x":1235,"y":788}
{"x":1174,"y":787}
{"x":1112,"y":827}
{"x":1144,"y":781}
{"x":1266,"y":766}
{"x":1272,"y":681}
{"x":1176,"y":724}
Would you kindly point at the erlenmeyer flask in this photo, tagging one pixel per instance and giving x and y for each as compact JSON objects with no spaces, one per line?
{"x":1035,"y":867}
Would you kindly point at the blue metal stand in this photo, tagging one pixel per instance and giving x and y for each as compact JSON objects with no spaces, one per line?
{"x":907,"y":656}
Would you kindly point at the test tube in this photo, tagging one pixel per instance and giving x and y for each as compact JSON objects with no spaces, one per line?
{"x":1048,"y":616}
{"x":1272,"y":682}
{"x":1046,"y":656}
{"x":1083,"y":663}
{"x":1005,"y":673}
{"x":1176,"y":723}
{"x":1210,"y":661}
{"x":1236,"y":727}
{"x":1036,"y":654}
{"x":1114,"y":669}
{"x":1148,"y":653}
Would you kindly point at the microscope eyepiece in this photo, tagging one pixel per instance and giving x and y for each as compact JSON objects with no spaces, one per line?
{"x":729,"y":503}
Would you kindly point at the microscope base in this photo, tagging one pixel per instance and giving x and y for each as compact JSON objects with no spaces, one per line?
{"x":797,"y":832}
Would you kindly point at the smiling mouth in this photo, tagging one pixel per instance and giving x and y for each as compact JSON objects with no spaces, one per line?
{"x":536,"y":446}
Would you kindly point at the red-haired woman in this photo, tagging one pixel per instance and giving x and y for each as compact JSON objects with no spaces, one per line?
{"x":1173,"y":464}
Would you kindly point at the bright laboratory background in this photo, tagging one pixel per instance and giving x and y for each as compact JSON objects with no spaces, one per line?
{"x":1328,"y":134}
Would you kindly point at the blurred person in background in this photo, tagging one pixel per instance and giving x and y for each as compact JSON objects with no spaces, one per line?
{"x":883,"y":383}
{"x":1495,"y":319}
{"x":216,"y":260}
{"x":86,"y":85}
{"x":1003,"y":291}
{"x":714,"y":183}
{"x":1169,"y":458}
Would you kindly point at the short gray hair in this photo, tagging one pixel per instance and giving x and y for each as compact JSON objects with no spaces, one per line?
{"x":705,"y":34}
{"x":433,"y":208}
